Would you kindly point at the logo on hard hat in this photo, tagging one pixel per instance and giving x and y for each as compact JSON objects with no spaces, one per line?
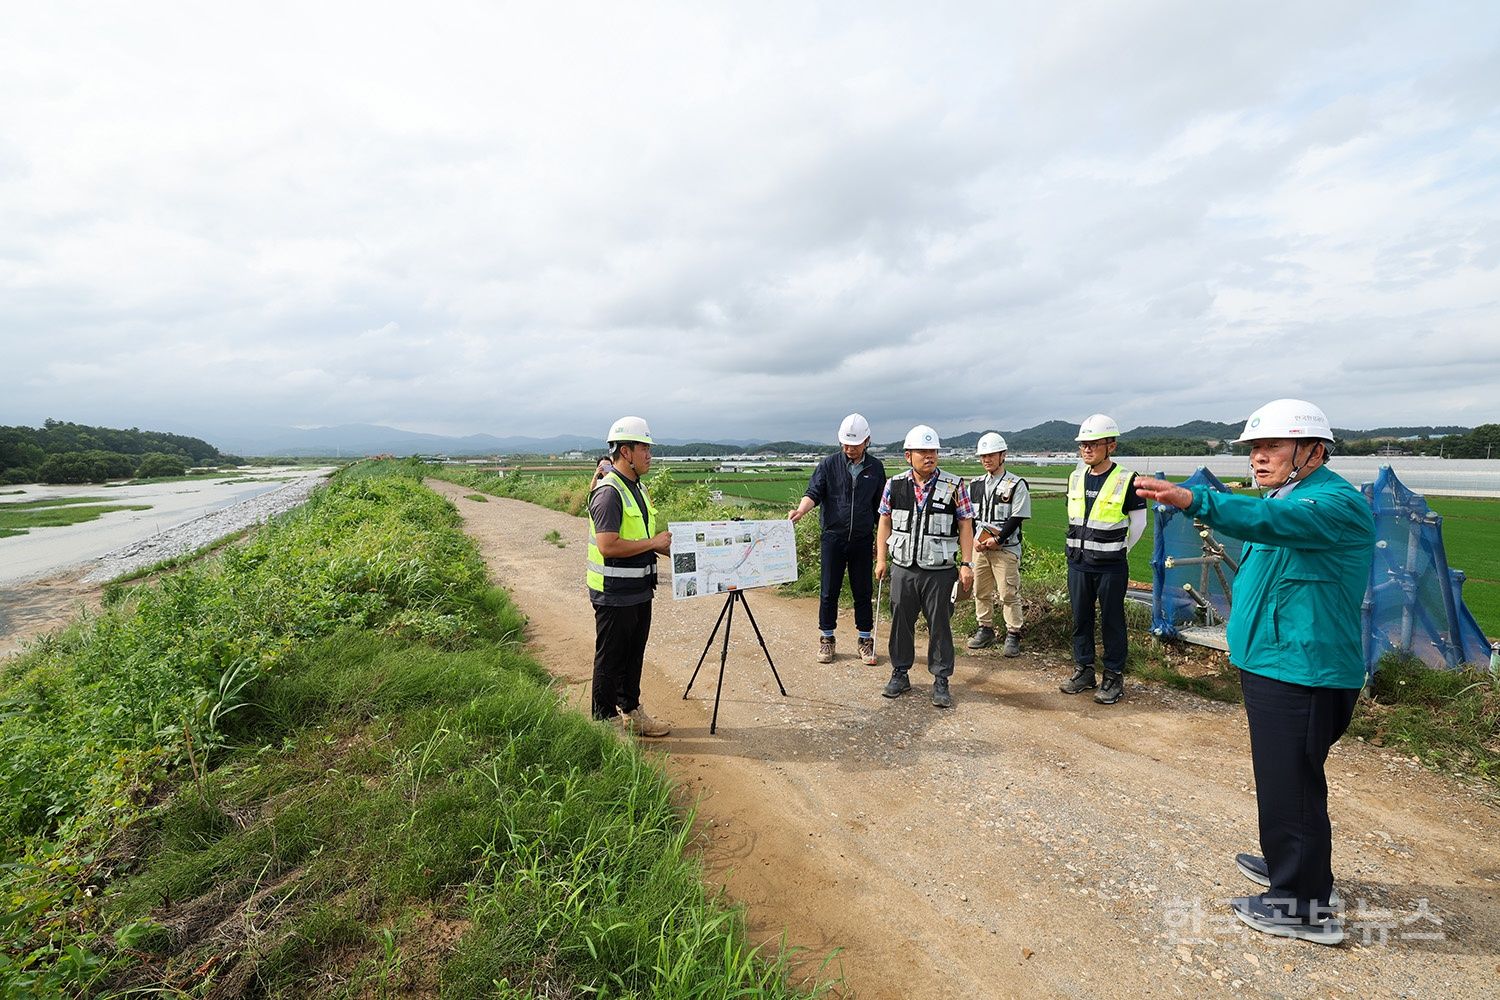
{"x":1255,"y":422}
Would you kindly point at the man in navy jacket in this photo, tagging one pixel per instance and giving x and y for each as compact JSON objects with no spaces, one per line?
{"x":847,"y":486}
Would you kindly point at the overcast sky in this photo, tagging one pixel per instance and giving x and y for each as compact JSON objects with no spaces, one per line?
{"x":747,"y":220}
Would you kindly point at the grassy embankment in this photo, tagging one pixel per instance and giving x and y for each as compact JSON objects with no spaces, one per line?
{"x":1450,"y":720}
{"x":19,"y":517}
{"x":322,"y":764}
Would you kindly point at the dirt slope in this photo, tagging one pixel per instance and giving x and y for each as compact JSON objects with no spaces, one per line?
{"x":36,"y":606}
{"x":1025,"y":843}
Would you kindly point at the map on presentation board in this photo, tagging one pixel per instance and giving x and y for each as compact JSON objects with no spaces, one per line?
{"x":714,"y":557}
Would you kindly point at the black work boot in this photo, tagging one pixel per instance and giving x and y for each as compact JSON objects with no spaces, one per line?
{"x":983,"y":639}
{"x":1012,"y":644}
{"x":898,"y":685}
{"x":1112,"y":690}
{"x":1082,"y":680}
{"x":940,"y":696}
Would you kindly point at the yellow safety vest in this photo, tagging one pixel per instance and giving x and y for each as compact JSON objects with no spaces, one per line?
{"x":631,"y":573}
{"x":1102,"y":533}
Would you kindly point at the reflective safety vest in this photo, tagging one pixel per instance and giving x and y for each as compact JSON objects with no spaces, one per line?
{"x":926,"y":538}
{"x":994,"y":506}
{"x":630,"y":574}
{"x":1102,"y":534}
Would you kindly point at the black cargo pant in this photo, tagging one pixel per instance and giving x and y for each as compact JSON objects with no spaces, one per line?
{"x":1292,"y":728}
{"x":1105,"y":586}
{"x":857,"y":556}
{"x":929,"y":592}
{"x":619,"y":653}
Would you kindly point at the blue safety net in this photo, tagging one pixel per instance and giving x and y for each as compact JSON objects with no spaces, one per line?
{"x":1415,"y":601}
{"x":1192,"y":567}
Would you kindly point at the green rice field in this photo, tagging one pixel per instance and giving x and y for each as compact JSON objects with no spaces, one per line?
{"x":1471,"y":537}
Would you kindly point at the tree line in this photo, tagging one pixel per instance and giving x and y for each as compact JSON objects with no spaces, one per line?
{"x":1481,"y":442}
{"x":63,"y":452}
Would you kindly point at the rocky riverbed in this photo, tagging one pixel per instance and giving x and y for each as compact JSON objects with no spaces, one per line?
{"x":200,"y":531}
{"x":36,"y":604}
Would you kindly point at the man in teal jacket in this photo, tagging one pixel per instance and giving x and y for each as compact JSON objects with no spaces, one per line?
{"x":1294,"y":634}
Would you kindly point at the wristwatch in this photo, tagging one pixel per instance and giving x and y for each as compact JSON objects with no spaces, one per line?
{"x":968,"y":564}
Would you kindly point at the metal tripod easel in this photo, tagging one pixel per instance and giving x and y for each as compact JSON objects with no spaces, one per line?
{"x":735,"y":596}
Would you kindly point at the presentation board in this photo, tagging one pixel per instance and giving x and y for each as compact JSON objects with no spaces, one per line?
{"x":715,"y":557}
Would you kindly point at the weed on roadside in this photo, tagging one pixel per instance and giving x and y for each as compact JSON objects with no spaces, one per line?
{"x":321,"y":764}
{"x":1448,"y":718}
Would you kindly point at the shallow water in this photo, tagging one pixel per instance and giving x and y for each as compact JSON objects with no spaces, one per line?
{"x":43,"y":552}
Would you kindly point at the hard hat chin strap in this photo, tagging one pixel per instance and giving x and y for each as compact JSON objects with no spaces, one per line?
{"x":1296,"y":472}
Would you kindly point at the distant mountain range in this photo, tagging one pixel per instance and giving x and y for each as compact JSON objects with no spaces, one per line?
{"x":369,"y":439}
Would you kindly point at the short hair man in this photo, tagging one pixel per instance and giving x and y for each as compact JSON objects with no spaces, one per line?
{"x":846,"y":487}
{"x":1106,"y":518}
{"x":926,"y":522}
{"x":1001,"y":501}
{"x":1294,"y":633}
{"x":625,"y":537}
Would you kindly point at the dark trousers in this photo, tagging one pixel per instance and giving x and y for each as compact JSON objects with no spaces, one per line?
{"x":857,"y":556}
{"x":1292,"y":728}
{"x":619,"y":653}
{"x":930,"y":592}
{"x":1106,"y":586}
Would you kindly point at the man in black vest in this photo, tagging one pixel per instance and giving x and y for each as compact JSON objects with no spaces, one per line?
{"x":926,"y":523}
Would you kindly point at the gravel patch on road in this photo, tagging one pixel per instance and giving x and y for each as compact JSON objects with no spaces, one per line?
{"x":192,"y":535}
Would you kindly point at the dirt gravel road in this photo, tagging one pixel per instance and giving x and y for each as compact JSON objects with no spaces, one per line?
{"x":1025,"y":843}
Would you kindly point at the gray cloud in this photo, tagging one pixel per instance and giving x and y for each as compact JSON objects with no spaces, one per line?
{"x":748,"y":222}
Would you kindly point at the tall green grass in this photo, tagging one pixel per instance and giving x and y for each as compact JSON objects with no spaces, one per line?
{"x":274,"y":773}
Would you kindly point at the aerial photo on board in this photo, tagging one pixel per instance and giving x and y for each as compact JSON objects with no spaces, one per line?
{"x":785,"y":501}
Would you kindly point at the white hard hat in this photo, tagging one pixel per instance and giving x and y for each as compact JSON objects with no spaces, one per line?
{"x":1097,"y":428}
{"x":629,"y":429}
{"x":854,"y":430}
{"x":921,"y":438}
{"x":1286,"y":418}
{"x":990,"y":443}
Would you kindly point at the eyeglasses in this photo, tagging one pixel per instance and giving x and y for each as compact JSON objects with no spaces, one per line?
{"x":1092,"y":444}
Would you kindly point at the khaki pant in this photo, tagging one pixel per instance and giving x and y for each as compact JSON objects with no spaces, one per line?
{"x":997,"y":576}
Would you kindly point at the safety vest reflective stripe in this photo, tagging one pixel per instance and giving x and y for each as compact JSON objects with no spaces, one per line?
{"x":1094,"y":545}
{"x":627,"y":574}
{"x":621,"y":570}
{"x":1107,"y":525}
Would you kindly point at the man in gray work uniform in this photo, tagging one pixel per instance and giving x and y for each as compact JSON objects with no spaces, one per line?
{"x":926,"y":522}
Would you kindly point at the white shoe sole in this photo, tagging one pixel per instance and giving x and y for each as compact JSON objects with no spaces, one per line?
{"x":1335,"y":901}
{"x":1334,"y":933}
